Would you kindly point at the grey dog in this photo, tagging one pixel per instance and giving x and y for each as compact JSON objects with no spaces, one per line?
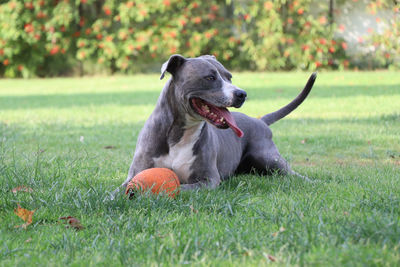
{"x":192,"y":132}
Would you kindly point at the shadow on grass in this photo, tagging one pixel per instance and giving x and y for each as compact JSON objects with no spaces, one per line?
{"x":337,"y":91}
{"x":382,"y":119}
{"x":78,"y":100}
{"x":150,"y":97}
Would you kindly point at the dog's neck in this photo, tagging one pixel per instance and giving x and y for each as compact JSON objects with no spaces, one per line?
{"x":176,"y":122}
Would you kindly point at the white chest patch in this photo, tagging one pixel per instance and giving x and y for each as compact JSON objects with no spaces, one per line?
{"x":180,"y":157}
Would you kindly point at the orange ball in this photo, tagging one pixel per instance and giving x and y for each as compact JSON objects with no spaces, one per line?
{"x":158,"y":180}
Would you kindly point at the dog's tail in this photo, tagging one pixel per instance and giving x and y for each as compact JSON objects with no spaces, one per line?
{"x":279,"y":114}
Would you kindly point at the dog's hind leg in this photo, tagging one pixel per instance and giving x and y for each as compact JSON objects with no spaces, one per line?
{"x":268,"y":160}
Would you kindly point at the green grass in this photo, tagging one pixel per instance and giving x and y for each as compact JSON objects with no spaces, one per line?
{"x":346,"y":135}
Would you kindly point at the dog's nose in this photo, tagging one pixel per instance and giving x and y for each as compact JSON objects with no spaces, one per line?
{"x":240,"y":94}
{"x":240,"y":97}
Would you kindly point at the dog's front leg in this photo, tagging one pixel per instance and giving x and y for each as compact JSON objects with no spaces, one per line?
{"x":198,"y":185}
{"x":211,"y":179}
{"x":138,"y":164}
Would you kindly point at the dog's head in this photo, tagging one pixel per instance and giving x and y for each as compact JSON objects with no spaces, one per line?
{"x":204,"y":89}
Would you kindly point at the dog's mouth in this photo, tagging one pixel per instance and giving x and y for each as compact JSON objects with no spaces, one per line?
{"x":220,"y":117}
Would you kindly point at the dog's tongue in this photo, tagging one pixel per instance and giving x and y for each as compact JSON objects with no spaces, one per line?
{"x":231,"y":121}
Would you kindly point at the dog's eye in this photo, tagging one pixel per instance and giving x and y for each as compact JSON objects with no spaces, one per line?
{"x":210,"y":78}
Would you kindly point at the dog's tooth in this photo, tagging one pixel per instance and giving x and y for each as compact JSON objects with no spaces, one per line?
{"x":205,"y":108}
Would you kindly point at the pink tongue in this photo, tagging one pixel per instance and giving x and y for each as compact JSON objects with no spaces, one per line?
{"x":231,"y":121}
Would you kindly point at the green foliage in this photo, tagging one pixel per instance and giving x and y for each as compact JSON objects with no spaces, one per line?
{"x":36,"y":37}
{"x":287,"y":35}
{"x":386,"y":46}
{"x":47,"y":38}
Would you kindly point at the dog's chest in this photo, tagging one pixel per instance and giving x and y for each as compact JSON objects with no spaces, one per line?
{"x":181,"y":157}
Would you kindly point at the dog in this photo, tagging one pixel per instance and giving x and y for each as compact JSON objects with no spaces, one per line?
{"x":192,"y":132}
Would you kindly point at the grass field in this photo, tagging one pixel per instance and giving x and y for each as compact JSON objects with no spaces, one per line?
{"x":346,"y":135}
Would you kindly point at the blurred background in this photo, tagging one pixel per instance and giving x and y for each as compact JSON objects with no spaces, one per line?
{"x":40,"y":38}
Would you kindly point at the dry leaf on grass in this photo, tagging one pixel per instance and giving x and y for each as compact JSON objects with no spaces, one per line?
{"x":160,"y":236}
{"x":271,"y":258}
{"x":73,"y":223}
{"x":110,"y":147}
{"x":193,"y":209}
{"x":22,"y":188}
{"x":248,"y":253}
{"x":281,"y":229}
{"x":24,"y":214}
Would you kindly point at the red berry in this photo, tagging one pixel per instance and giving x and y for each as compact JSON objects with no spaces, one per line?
{"x":318,"y":64}
{"x":197,"y":20}
{"x":107,"y":11}
{"x":28,"y":5}
{"x":54,"y":50}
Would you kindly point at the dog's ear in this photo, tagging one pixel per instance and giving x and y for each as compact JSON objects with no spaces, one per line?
{"x":208,"y":57}
{"x":172,"y":65}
